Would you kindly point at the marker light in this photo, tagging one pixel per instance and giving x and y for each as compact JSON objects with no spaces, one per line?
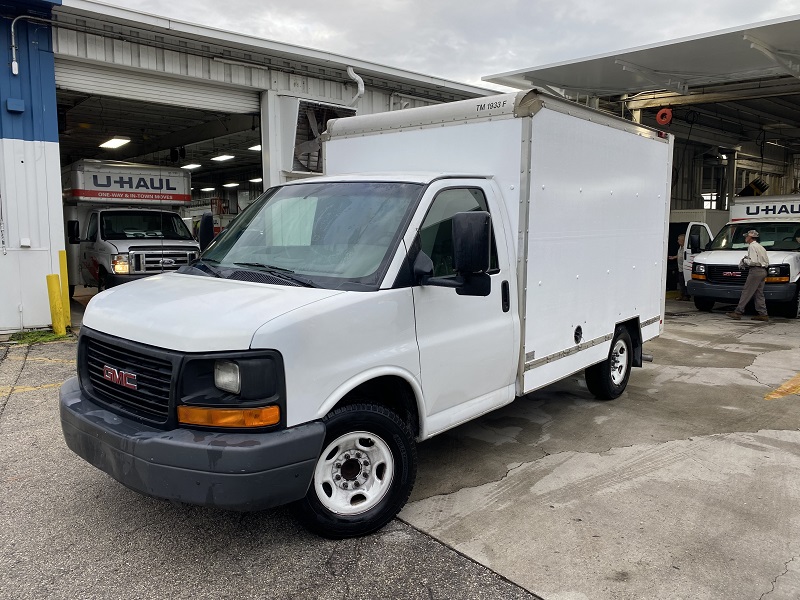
{"x":229,"y":417}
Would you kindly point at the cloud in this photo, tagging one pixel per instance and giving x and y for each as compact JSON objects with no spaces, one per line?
{"x":465,"y":40}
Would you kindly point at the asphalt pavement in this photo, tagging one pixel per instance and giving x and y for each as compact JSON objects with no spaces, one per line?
{"x":684,"y":487}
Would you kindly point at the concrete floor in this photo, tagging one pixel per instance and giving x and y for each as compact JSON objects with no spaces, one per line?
{"x":684,"y":487}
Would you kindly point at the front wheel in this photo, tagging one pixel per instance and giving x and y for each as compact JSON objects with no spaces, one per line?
{"x":791,"y":309}
{"x":364,"y":475}
{"x":608,"y":379}
{"x":703,"y":304}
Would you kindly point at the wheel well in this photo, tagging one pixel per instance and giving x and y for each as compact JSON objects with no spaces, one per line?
{"x":635,"y":331}
{"x":394,"y":393}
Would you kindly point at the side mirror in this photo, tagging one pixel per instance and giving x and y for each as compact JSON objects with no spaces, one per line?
{"x":472,"y":238}
{"x":206,"y":233}
{"x":73,"y":232}
{"x":694,"y":243}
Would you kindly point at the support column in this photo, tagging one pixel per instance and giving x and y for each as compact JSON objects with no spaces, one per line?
{"x":30,"y":173}
{"x":270,"y":139}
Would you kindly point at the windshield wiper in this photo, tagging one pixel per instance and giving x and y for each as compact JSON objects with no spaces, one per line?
{"x":205,"y":262}
{"x":279,"y":271}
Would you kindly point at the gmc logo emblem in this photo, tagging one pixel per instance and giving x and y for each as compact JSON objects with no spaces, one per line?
{"x":122,"y":378}
{"x":732,"y":274}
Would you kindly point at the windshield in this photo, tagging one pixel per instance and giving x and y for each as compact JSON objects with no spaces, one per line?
{"x":124,"y":225}
{"x":334,"y":234}
{"x":773,"y":236}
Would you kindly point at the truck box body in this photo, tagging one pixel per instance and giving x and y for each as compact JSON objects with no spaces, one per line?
{"x":590,"y":191}
{"x":716,"y":276}
{"x":453,"y":258}
{"x":129,"y":211}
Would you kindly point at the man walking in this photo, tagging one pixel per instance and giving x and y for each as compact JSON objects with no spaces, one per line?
{"x":757,"y":261}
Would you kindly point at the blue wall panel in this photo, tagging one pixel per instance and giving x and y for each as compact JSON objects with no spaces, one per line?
{"x":34,"y":88}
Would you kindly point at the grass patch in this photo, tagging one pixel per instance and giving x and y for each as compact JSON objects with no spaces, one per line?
{"x":38,"y":336}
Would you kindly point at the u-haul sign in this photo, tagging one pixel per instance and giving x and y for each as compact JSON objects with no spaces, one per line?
{"x":128,"y":183}
{"x":780,"y":207}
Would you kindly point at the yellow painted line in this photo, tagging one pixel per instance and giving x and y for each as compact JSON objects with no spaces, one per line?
{"x":13,"y":389}
{"x":787,"y":389}
{"x":41,"y":359}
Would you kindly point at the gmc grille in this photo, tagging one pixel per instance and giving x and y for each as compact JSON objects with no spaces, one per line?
{"x":153,"y":379}
{"x":729,"y":274}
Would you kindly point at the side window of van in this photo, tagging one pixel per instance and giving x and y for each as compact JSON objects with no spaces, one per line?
{"x":436,"y":233}
{"x":91,"y":230}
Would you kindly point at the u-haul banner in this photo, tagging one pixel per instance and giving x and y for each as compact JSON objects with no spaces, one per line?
{"x":766,"y":209}
{"x":126,"y":188}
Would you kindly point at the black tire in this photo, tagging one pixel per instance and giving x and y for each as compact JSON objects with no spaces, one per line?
{"x":102,"y":280}
{"x":608,"y":379}
{"x":791,"y":309}
{"x":71,"y":291}
{"x":704,"y":304}
{"x":347,"y":498}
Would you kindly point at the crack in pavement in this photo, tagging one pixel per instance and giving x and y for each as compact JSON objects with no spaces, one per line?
{"x":775,"y":581}
{"x":11,"y":389}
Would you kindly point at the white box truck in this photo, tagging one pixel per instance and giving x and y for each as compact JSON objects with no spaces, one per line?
{"x":454,"y":258}
{"x":121,"y":222}
{"x":716,"y":276}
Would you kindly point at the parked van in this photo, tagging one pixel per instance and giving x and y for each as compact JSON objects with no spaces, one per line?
{"x":122,"y":222}
{"x":454,"y":258}
{"x":716,"y":276}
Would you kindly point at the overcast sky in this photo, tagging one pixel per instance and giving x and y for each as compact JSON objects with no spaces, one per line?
{"x":464,"y":40}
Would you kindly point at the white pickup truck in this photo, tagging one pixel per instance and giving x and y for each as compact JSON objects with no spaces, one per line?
{"x":454,"y":258}
{"x":716,"y":276}
{"x":122,"y":224}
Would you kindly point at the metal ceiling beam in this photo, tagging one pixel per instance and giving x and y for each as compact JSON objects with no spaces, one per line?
{"x":780,"y":59}
{"x":193,"y":135}
{"x":665,"y":80}
{"x":714,"y":97}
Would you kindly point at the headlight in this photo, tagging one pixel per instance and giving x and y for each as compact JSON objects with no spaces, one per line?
{"x":774,"y":271}
{"x":119,"y":264}
{"x":699,"y":268}
{"x":226,"y":376}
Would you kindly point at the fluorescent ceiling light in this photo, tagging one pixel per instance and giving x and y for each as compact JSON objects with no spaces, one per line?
{"x":191,"y":166}
{"x":256,"y":180}
{"x":116,"y":142}
{"x":230,"y":185}
{"x":256,"y":148}
{"x":206,"y":189}
{"x":222,"y":157}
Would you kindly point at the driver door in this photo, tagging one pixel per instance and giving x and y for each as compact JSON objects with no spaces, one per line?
{"x":466,"y":343}
{"x":702,"y":230}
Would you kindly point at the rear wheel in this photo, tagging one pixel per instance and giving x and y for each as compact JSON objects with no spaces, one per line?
{"x":608,"y":379}
{"x":703,"y":304}
{"x":364,"y":474}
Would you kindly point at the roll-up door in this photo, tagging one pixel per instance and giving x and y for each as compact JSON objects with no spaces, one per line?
{"x":133,"y":84}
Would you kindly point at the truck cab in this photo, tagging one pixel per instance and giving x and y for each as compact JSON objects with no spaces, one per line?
{"x":118,"y":245}
{"x":716,"y":276}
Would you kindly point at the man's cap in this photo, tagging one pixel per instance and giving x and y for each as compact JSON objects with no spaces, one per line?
{"x":753,"y":233}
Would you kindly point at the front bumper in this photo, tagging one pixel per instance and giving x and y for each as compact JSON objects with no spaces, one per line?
{"x":773,"y":292}
{"x":234,"y":471}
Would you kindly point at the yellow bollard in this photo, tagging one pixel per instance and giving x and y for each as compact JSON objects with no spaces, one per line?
{"x":62,"y":263}
{"x":56,"y":311}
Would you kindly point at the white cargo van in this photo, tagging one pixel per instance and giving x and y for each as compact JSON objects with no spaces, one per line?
{"x":484,"y":249}
{"x":716,"y":276}
{"x":122,"y":224}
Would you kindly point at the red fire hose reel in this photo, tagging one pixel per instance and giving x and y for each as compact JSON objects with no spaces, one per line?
{"x":664,"y":116}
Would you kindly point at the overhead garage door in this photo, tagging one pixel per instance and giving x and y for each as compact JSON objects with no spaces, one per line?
{"x":134,"y":84}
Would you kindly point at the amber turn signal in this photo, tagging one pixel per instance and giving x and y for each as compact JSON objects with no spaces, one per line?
{"x":776,"y":280}
{"x":229,"y":417}
{"x":698,"y":276}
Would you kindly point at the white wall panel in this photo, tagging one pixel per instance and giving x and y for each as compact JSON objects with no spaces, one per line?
{"x":31,"y":193}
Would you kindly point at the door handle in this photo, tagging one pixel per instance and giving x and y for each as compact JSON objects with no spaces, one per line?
{"x":506,"y":296}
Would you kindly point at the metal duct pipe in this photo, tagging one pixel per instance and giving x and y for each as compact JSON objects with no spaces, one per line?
{"x":360,"y":83}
